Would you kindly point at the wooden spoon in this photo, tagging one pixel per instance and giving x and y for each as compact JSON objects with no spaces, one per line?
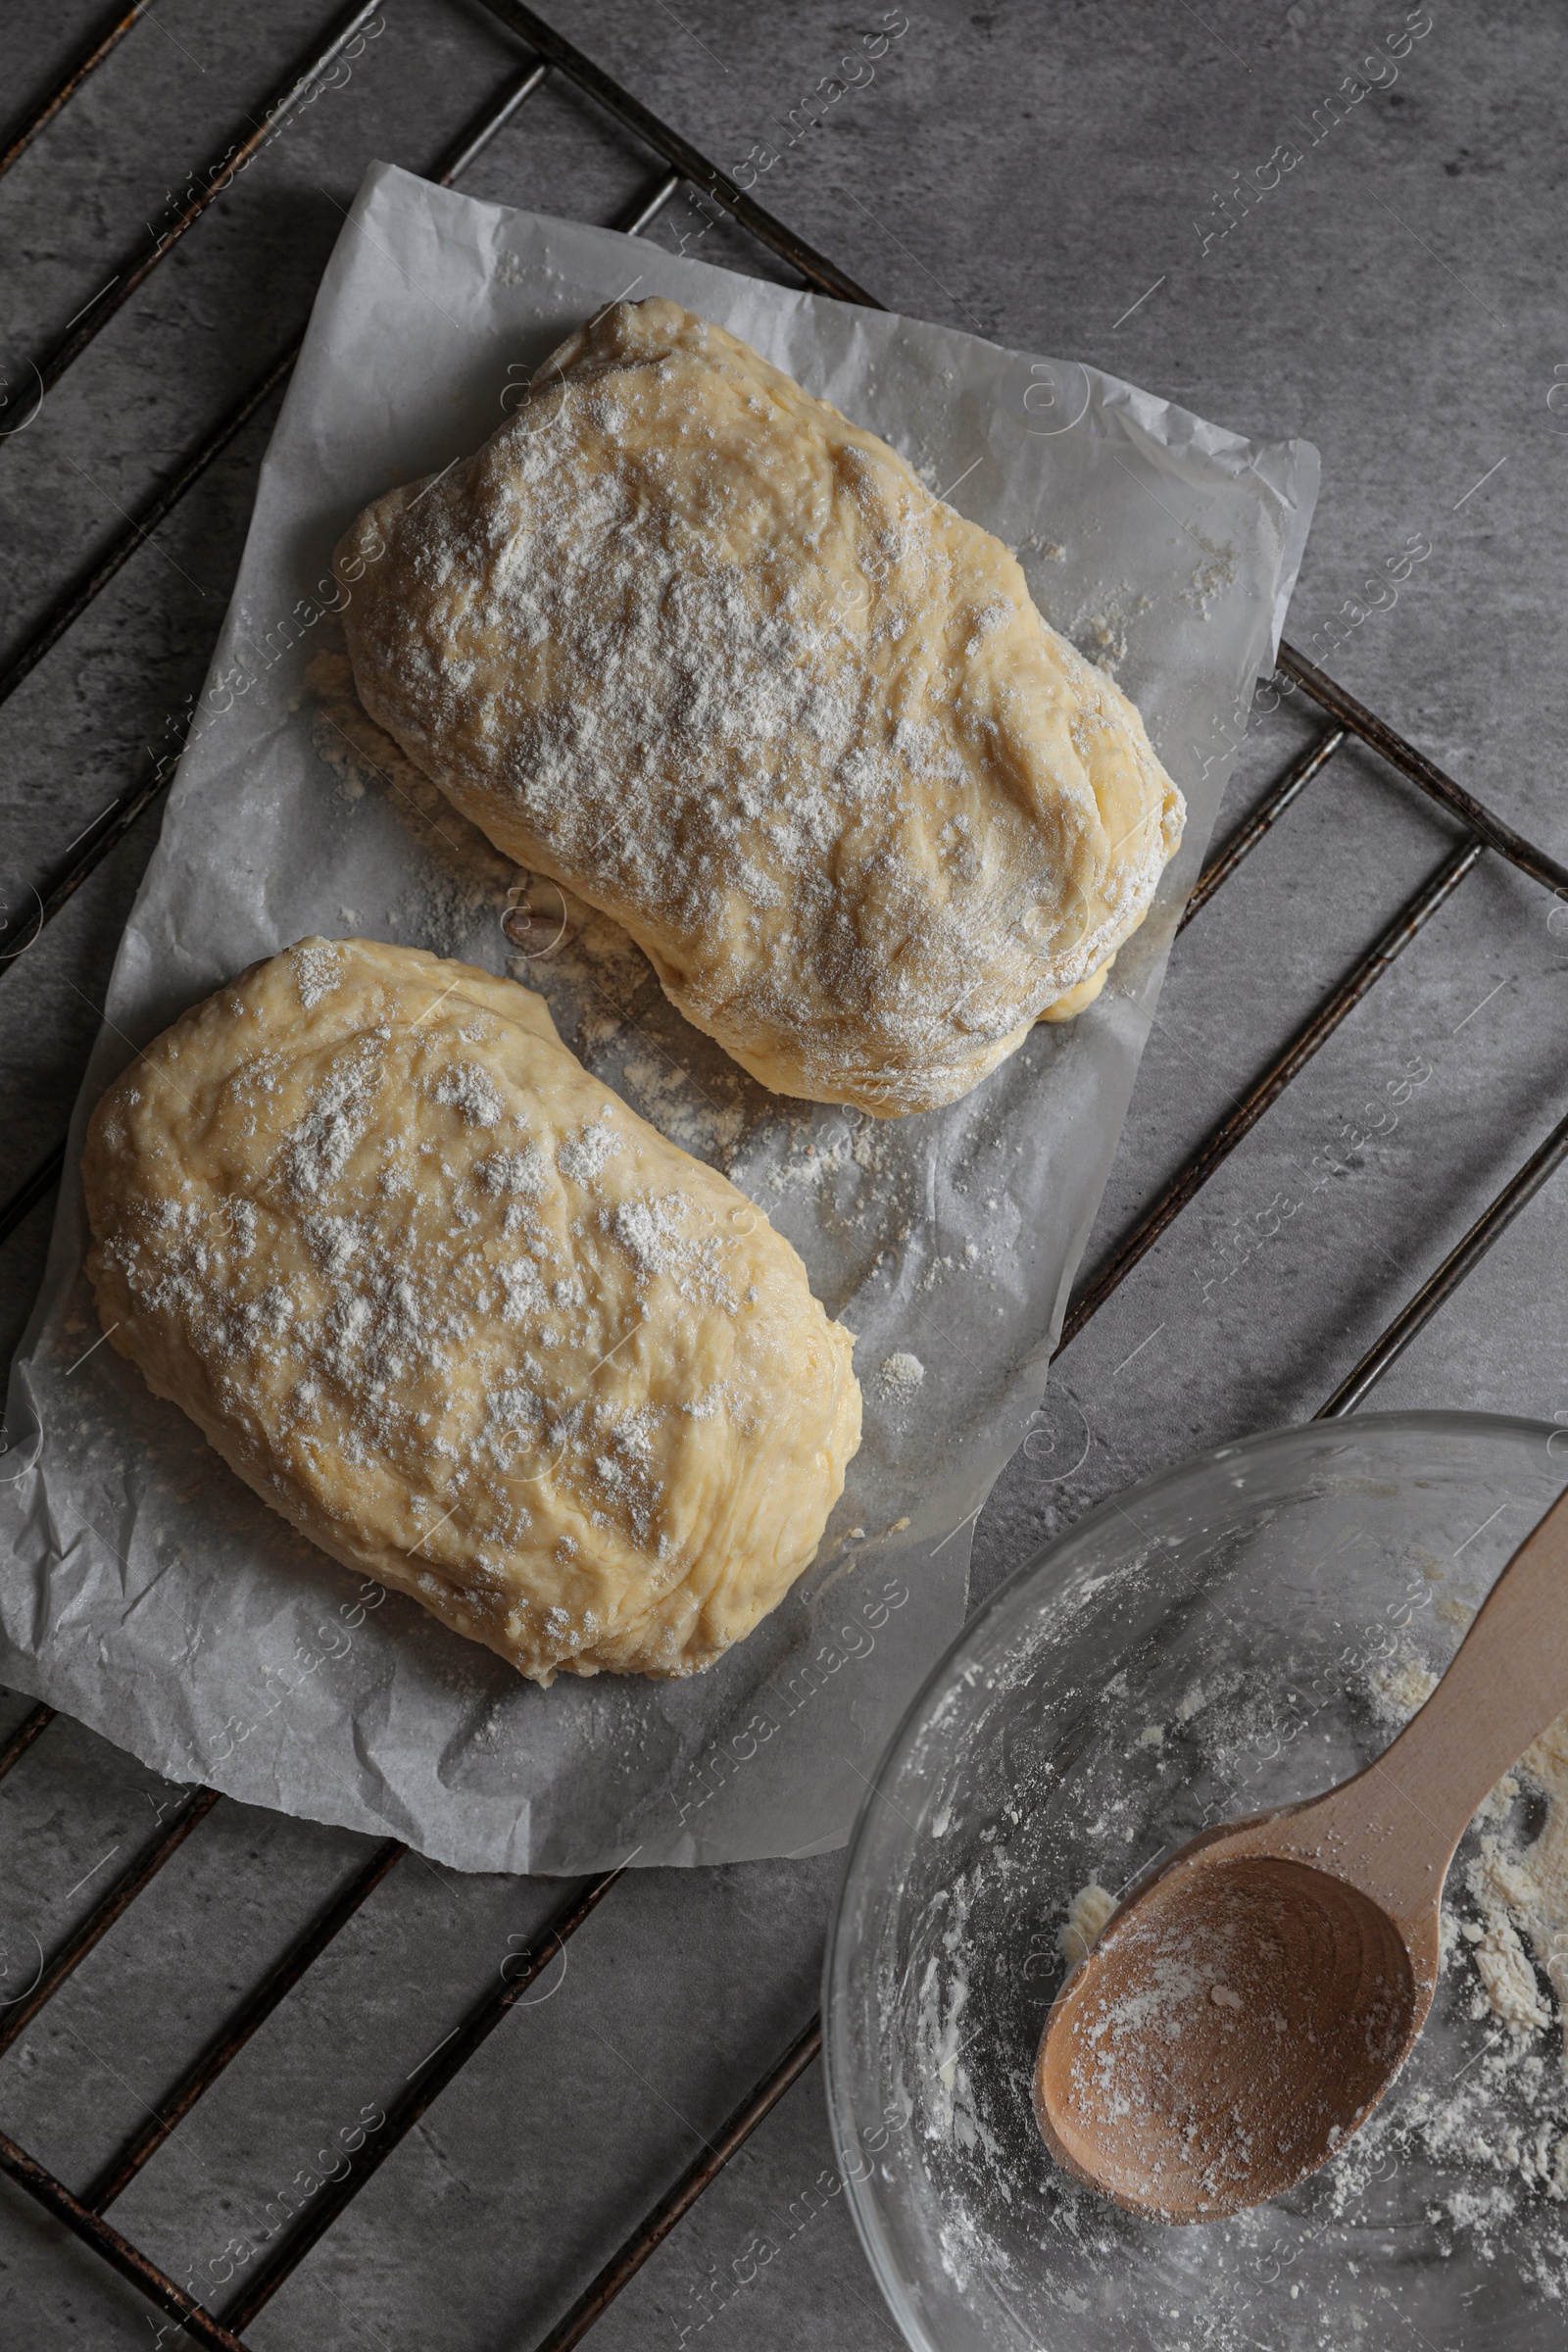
{"x":1247,"y":2007}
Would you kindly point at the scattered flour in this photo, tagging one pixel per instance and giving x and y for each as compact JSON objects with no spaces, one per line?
{"x":1100,"y":627}
{"x":472,"y":1093}
{"x":1211,"y":578}
{"x":463,"y":879}
{"x":318,"y":970}
{"x":585,"y":1156}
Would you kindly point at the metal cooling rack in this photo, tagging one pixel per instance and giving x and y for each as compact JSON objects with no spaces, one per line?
{"x":1479,"y":834}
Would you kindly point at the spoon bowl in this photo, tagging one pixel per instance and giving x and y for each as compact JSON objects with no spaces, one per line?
{"x":1244,"y":2019}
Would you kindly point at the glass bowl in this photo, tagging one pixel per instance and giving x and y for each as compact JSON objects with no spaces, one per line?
{"x":1236,"y":1634}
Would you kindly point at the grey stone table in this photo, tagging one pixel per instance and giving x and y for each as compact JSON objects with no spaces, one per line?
{"x":1055,"y":178}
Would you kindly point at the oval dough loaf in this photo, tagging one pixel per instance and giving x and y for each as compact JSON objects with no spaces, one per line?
{"x":470,"y":1323}
{"x":683,"y":639}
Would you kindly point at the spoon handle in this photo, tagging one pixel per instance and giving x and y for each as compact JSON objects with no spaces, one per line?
{"x":1507,"y":1682}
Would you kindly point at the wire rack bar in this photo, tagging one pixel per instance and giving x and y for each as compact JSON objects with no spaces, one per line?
{"x":1440,"y":1285}
{"x":88,"y":585}
{"x":643,"y":216}
{"x":1267,"y":1089}
{"x":22,"y":1737}
{"x":429,"y":2082}
{"x":1392,"y":746}
{"x":679,"y":152}
{"x":495,"y":118}
{"x":31,"y":1190}
{"x":216,"y":179}
{"x":1245,"y":840}
{"x":657,"y":2224}
{"x":118,"y":2173}
{"x":91,"y":59}
{"x":107,"y":829}
{"x":120,"y":2254}
{"x":98,"y":1922}
{"x":658,"y":2221}
{"x":660,"y":2218}
{"x":75,"y":599}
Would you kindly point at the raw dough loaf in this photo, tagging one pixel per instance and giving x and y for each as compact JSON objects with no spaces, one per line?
{"x":683,"y":639}
{"x":471,"y":1324}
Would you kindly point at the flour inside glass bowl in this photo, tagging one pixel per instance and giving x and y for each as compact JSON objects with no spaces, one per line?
{"x":1234,"y":1636}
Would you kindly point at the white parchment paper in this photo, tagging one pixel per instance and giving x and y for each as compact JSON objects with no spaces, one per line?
{"x":146,"y":1592}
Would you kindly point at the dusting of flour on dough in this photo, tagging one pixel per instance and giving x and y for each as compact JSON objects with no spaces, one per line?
{"x":398,"y":1267}
{"x":681,"y":635}
{"x":471,"y":1091}
{"x":318,"y":969}
{"x":585,"y":1156}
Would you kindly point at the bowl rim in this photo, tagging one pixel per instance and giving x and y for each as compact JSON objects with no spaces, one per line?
{"x":1458,"y":1420}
